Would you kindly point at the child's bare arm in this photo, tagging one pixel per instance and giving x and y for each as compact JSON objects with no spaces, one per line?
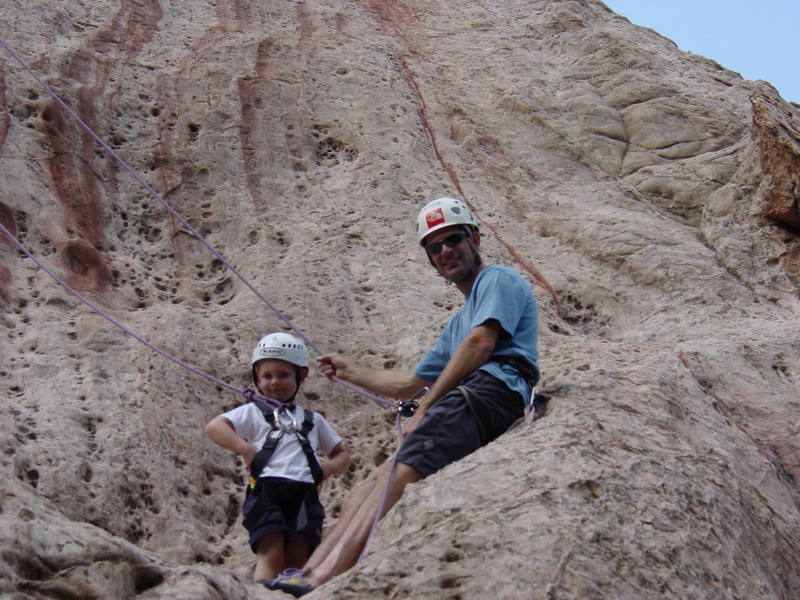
{"x":337,"y":461}
{"x":220,"y":431}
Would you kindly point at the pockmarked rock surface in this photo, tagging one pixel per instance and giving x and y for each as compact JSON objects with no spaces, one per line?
{"x":653,"y":192}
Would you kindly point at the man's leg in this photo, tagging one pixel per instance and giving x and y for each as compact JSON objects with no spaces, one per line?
{"x":344,"y":551}
{"x":350,"y":507}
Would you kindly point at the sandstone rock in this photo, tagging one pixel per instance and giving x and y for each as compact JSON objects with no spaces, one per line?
{"x":653,"y":191}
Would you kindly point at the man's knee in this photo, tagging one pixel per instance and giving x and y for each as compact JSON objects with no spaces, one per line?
{"x":405,"y":474}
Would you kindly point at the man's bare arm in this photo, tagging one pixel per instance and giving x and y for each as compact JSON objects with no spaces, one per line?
{"x":473,"y":351}
{"x":394,"y":383}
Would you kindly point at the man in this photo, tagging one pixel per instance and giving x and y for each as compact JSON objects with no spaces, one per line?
{"x":481,"y":372}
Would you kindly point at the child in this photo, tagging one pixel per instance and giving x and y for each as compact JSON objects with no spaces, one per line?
{"x":282,"y":511}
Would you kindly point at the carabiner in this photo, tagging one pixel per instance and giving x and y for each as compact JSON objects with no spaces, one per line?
{"x":276,"y":413}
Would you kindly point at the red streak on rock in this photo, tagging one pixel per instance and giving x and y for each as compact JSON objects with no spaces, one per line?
{"x":74,"y":169}
{"x":252,"y":91}
{"x":172,"y":157}
{"x":394,"y":18}
{"x":306,"y":26}
{"x":5,"y":119}
{"x":7,"y":219}
{"x":5,"y":283}
{"x":86,"y":267}
{"x":75,"y":184}
{"x":249,"y":103}
{"x":341,"y":22}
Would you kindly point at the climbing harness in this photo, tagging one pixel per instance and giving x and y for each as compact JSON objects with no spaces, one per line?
{"x":526,"y":370}
{"x":277,"y":430}
{"x":477,"y":409}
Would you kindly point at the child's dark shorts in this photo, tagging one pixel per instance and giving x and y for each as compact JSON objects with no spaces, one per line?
{"x":450,"y":429}
{"x":277,"y":504}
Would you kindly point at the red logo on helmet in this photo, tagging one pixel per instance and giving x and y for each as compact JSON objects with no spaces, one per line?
{"x":434,"y":218}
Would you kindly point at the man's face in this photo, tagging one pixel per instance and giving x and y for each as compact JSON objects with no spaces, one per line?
{"x":451,"y":253}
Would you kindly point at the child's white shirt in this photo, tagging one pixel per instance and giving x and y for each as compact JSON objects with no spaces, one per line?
{"x":288,"y":461}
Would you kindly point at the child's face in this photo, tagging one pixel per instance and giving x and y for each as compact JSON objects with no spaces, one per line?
{"x":276,"y":379}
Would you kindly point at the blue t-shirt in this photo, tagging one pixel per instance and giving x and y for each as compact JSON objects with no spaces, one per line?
{"x":502,"y":294}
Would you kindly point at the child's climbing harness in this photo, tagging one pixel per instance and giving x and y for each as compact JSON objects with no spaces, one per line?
{"x":277,"y":430}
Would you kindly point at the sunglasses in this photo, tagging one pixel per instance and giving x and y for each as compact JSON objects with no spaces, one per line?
{"x":451,"y":241}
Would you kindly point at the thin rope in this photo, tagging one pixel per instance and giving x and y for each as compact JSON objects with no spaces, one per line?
{"x":448,"y":168}
{"x":185,"y":223}
{"x":153,"y":192}
{"x":249,"y":394}
{"x":386,"y":486}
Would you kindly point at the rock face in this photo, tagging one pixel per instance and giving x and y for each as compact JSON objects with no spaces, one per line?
{"x":653,"y":192}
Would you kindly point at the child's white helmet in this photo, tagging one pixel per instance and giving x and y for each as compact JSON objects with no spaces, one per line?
{"x":443,"y":212}
{"x":282,"y":346}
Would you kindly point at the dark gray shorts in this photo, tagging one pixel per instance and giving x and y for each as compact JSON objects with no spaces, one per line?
{"x":449,"y":430}
{"x":278,"y":504}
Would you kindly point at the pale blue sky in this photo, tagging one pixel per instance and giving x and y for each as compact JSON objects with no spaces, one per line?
{"x":755,"y":38}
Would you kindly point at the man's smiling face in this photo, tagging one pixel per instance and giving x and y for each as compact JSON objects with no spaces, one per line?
{"x":452,"y":253}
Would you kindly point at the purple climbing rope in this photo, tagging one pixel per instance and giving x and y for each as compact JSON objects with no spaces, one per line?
{"x":385,"y":493}
{"x":404,"y":409}
{"x":185,"y":223}
{"x":249,"y":394}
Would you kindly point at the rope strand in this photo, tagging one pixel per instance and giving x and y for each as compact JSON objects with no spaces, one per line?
{"x":120,"y":325}
{"x":186,"y":224}
{"x":249,"y":395}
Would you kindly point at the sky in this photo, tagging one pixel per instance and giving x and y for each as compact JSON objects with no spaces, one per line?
{"x":755,"y":38}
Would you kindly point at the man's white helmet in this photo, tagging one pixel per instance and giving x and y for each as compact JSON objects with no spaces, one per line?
{"x":281,"y":346}
{"x":441,"y":213}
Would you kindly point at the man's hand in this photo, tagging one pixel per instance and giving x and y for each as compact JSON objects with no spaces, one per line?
{"x":395,"y":383}
{"x":412,"y":422}
{"x":333,"y":365}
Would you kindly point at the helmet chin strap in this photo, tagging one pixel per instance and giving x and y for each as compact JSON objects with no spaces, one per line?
{"x":475,"y":265}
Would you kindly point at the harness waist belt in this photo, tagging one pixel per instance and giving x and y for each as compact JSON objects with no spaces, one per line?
{"x":528,"y":371}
